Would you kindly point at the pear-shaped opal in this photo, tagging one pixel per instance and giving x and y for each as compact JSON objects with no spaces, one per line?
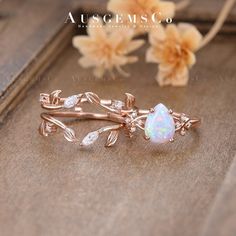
{"x":160,"y":125}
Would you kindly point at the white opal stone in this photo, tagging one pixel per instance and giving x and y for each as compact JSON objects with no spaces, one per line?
{"x":71,"y":101}
{"x":160,"y":125}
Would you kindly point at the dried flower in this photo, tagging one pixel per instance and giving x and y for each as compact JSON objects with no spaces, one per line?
{"x":106,"y":49}
{"x":173,"y":49}
{"x":149,"y":9}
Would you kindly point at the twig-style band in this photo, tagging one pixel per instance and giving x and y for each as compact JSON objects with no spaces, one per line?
{"x":158,"y":124}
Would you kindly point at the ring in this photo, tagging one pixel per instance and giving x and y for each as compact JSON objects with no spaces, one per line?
{"x":158,"y":124}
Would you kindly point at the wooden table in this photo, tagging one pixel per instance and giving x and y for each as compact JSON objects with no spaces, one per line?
{"x":51,"y":187}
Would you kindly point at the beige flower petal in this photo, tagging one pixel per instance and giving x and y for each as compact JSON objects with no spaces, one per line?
{"x":119,"y":39}
{"x":118,"y":61}
{"x":181,"y":77}
{"x":191,"y":37}
{"x":157,"y":35}
{"x":117,"y":6}
{"x":86,"y":62}
{"x":172,"y":33}
{"x":123,"y":44}
{"x":123,"y":60}
{"x":117,"y":42}
{"x":167,"y":9}
{"x":96,"y":29}
{"x":132,"y":59}
{"x":168,"y":75}
{"x":174,"y":54}
{"x":151,"y":56}
{"x":127,"y":32}
{"x":83,"y":43}
{"x":106,"y":49}
{"x":191,"y":59}
{"x":99,"y":71}
{"x":164,"y":75}
{"x":183,"y":27}
{"x":135,"y":44}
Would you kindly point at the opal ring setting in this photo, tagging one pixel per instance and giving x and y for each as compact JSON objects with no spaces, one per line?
{"x":158,"y":124}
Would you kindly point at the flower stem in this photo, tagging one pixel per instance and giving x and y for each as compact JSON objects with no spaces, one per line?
{"x":218,"y":23}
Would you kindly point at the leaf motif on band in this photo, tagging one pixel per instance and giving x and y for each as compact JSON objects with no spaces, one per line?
{"x":92,"y":97}
{"x":54,"y":97}
{"x":47,"y":128}
{"x":44,"y":98}
{"x":112,"y":138}
{"x":69,"y":135}
{"x":129,"y":101}
{"x":42,"y":129}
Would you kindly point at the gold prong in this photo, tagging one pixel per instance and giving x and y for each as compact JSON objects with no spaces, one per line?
{"x":151,"y":110}
{"x":146,"y":137}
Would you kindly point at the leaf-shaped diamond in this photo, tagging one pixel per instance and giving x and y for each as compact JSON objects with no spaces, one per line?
{"x":71,"y":101}
{"x":90,"y":138}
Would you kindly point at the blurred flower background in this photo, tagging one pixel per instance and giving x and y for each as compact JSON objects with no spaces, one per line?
{"x":172,"y":47}
{"x":106,"y":49}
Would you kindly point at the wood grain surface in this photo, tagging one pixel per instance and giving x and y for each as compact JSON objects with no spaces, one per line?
{"x":223,"y":212}
{"x":29,"y":27}
{"x":51,"y":187}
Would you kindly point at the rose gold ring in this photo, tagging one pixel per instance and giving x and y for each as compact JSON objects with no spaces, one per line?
{"x":158,"y":124}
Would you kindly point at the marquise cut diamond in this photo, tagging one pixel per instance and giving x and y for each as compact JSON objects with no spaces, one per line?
{"x":90,"y":138}
{"x":71,"y":101}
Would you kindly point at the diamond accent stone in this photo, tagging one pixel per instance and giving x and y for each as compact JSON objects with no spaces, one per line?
{"x":71,"y":101}
{"x":134,"y":114}
{"x":133,"y":129}
{"x":90,"y":138}
{"x":116,"y":104}
{"x":127,"y":120}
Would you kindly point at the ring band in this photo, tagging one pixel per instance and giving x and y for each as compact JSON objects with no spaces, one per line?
{"x":158,"y":124}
